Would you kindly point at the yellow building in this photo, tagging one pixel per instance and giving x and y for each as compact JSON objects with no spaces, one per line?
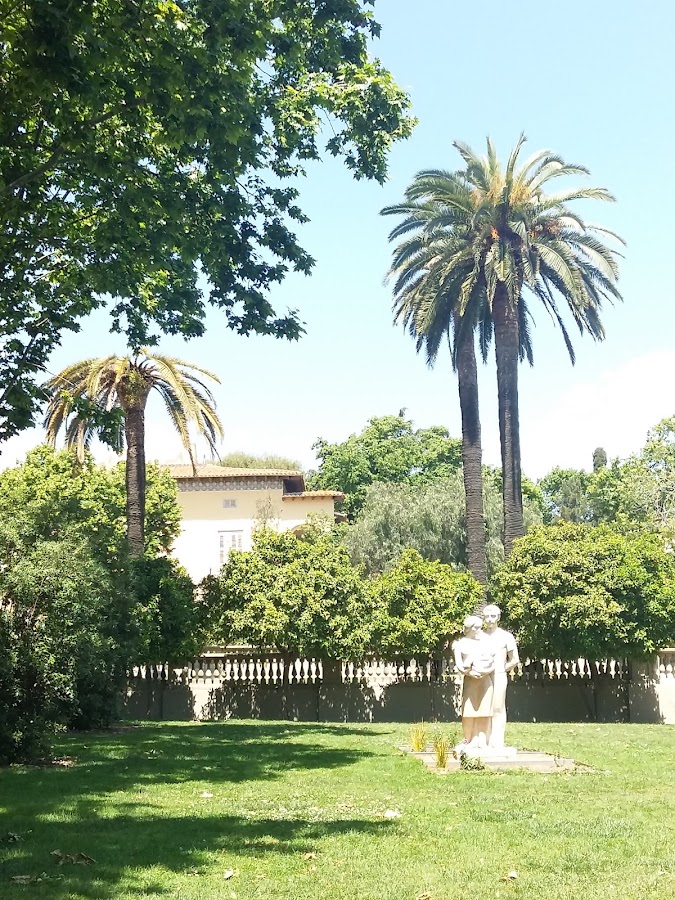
{"x":220,"y":508}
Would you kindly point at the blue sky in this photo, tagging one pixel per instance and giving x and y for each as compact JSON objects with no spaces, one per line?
{"x":592,"y":81}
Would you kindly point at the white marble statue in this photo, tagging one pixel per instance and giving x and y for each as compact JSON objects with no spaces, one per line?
{"x":484,"y":656}
{"x":474,"y":658}
{"x":505,"y":653}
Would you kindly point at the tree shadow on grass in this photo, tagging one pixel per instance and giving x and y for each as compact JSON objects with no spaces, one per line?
{"x":61,"y":808}
{"x":142,"y":855}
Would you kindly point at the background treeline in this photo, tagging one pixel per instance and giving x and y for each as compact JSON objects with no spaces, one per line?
{"x":594,"y":575}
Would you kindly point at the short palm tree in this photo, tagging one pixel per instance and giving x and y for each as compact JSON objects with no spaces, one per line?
{"x":125,"y":383}
{"x":505,"y":234}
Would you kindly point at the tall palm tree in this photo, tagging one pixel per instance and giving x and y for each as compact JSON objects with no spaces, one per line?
{"x":427,"y":305}
{"x":125,"y":383}
{"x":509,"y":234}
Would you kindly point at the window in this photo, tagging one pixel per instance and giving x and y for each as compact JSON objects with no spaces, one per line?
{"x":228,"y":540}
{"x":229,"y":504}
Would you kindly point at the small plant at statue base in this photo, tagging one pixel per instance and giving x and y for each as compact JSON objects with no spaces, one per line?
{"x":441,"y":749}
{"x":471,"y":763}
{"x":418,"y":737}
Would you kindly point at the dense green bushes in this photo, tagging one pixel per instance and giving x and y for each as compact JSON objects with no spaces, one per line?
{"x":574,"y":590}
{"x":75,"y":612}
{"x":306,"y":597}
{"x":418,"y":604}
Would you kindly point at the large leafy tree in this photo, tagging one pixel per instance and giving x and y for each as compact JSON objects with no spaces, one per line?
{"x":135,"y":143}
{"x":389,"y":449}
{"x":431,"y":519}
{"x":125,"y":383}
{"x":505,"y":235}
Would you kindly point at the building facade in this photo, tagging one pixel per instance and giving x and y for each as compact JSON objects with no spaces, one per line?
{"x":221,"y":507}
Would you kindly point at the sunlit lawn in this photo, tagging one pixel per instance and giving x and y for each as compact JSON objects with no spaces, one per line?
{"x":298,"y":811}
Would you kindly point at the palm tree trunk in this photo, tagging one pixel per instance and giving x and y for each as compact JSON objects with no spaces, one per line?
{"x":505,"y":318}
{"x":134,"y":427}
{"x":467,"y":376}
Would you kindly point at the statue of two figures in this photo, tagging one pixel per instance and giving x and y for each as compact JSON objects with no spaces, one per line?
{"x":484,"y":656}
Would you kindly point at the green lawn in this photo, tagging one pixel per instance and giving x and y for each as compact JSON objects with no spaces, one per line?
{"x":297,"y":811}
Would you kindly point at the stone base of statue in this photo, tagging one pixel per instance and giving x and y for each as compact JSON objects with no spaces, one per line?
{"x":487,"y":752}
{"x":503,"y":758}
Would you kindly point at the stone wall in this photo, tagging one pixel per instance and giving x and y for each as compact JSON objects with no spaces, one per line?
{"x":222,"y":686}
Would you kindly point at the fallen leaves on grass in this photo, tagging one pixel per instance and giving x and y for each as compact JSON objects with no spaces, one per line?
{"x":207,"y":795}
{"x":12,"y":837}
{"x":229,"y":873}
{"x":392,"y":814}
{"x":78,"y":859}
{"x":510,"y":876}
{"x":33,"y":879}
{"x":310,"y":855}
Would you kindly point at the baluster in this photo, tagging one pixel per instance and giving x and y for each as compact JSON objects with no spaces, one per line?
{"x":313,"y":670}
{"x":275,"y":670}
{"x":228,"y":669}
{"x":320,"y":669}
{"x":251,"y":671}
{"x":235,"y":670}
{"x":258,"y":670}
{"x":267,"y":669}
{"x":282,"y":669}
{"x":305,"y":671}
{"x":350,"y":671}
{"x":297,"y":665}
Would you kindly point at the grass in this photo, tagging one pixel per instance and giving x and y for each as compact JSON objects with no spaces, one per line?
{"x":300,"y":811}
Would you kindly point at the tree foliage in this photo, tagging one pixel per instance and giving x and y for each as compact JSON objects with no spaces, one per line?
{"x":429,"y":518}
{"x":388,"y":449}
{"x":500,"y":232}
{"x":565,"y":493}
{"x":74,"y":612}
{"x":64,"y":650}
{"x":305,"y":596}
{"x":240,"y":460}
{"x":52,"y":493}
{"x":573,"y":590}
{"x":137,"y":143}
{"x":418,"y":604}
{"x":299,"y":596}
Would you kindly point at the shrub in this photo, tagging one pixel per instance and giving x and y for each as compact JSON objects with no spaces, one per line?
{"x":574,"y":590}
{"x":418,"y":604}
{"x":302,"y":597}
{"x":60,"y":666}
{"x":169,"y":622}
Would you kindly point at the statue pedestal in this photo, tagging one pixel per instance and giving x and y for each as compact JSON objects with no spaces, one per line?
{"x":495,"y":754}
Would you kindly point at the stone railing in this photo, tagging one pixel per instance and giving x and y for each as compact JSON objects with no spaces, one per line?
{"x":242,"y":667}
{"x":666,"y":664}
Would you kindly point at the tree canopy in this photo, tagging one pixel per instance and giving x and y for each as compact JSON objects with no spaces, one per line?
{"x":429,"y":518}
{"x":575,"y":590}
{"x":389,"y":449}
{"x":143,"y":154}
{"x":240,"y":460}
{"x":418,"y":604}
{"x":75,"y":612}
{"x":298,"y":596}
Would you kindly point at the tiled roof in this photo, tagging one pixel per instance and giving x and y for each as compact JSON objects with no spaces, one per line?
{"x":336,"y":495}
{"x":210,"y":470}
